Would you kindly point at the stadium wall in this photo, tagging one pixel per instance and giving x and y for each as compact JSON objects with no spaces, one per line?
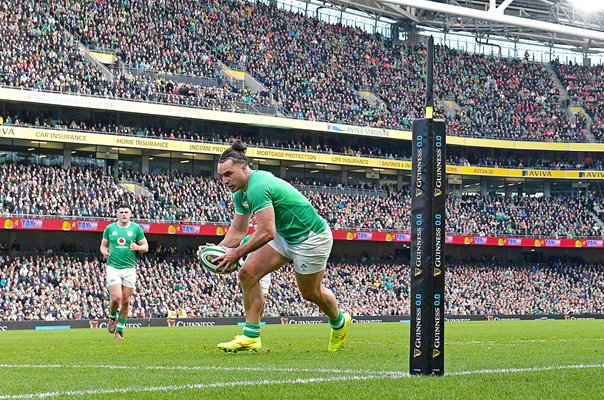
{"x":199,"y":322}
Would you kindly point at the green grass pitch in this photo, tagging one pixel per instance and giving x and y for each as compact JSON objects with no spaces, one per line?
{"x":484,"y":360}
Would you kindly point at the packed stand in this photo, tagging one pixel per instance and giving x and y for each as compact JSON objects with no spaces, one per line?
{"x":93,"y":193}
{"x":343,"y":211}
{"x":52,"y":191}
{"x":585,"y":87}
{"x":310,"y":67}
{"x":597,"y":206}
{"x":181,"y":197}
{"x":38,"y":54}
{"x":521,"y":288}
{"x":172,"y":43}
{"x":496,"y":215}
{"x":482,"y":215}
{"x":60,"y":287}
{"x":314,"y":70}
{"x":156,"y":35}
{"x":504,"y":98}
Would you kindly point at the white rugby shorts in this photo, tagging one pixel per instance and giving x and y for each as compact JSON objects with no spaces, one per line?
{"x":125,"y":277}
{"x":265,"y":283}
{"x":309,"y":256}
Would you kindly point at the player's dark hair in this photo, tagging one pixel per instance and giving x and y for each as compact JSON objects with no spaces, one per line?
{"x":236,"y":153}
{"x":124,"y":205}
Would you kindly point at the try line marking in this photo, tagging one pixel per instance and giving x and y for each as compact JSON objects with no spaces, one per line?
{"x":371,"y":375}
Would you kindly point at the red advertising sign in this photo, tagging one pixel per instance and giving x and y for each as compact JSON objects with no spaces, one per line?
{"x":162,"y":228}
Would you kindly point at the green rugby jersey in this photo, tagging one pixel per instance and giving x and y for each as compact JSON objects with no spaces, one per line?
{"x":295,"y":217}
{"x":120,"y":255}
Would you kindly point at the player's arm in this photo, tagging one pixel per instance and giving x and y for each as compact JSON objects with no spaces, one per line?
{"x":237,"y":231}
{"x":142,"y":246}
{"x":105,"y":248}
{"x":264,"y":233}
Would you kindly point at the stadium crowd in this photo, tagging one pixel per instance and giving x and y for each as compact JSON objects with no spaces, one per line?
{"x":37,"y":53}
{"x":585,"y":87}
{"x":311,"y":69}
{"x":168,"y":43}
{"x":509,"y":99}
{"x":92,"y":192}
{"x":364,"y":211}
{"x":493,"y":214}
{"x":62,"y":286}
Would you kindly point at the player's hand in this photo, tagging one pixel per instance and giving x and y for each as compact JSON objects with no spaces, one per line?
{"x":106,"y":255}
{"x":227,"y":261}
{"x":203,"y":246}
{"x":134,"y":246}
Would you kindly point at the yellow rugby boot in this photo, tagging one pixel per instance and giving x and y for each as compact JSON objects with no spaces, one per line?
{"x":339,"y":336}
{"x":241,"y":342}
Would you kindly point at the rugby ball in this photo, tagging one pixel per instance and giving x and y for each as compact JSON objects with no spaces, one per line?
{"x":209,"y":254}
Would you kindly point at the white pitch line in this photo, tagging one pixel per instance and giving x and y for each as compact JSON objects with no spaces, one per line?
{"x":199,"y":386}
{"x":507,"y":343}
{"x":492,"y":342}
{"x":196,"y":368}
{"x":394,"y":375}
{"x":523,"y":341}
{"x":515,"y":370}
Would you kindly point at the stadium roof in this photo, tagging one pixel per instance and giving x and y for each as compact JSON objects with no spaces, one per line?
{"x":580,"y":28}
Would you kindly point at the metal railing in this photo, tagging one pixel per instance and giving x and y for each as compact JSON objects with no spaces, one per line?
{"x":139,"y":190}
{"x":71,"y":217}
{"x":336,"y":190}
{"x":246,"y":108}
{"x":225,"y":142}
{"x":178,"y":78}
{"x":99,"y":49}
